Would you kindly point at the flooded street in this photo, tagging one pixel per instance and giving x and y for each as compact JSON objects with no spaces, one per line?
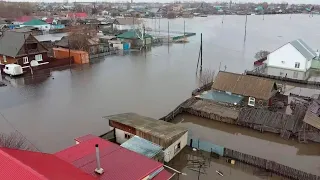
{"x":52,"y":111}
{"x":305,"y":157}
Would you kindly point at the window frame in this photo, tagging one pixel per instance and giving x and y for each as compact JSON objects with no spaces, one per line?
{"x":297,"y":65}
{"x":177,"y":148}
{"x":38,"y":55}
{"x":250,"y":100}
{"x":25,"y":60}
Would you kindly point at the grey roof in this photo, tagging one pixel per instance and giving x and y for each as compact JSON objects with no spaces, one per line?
{"x":304,"y":49}
{"x":154,"y":127}
{"x":128,"y":21}
{"x":11,"y":43}
{"x":142,"y":146}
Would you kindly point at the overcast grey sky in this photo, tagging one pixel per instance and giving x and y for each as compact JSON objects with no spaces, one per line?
{"x":269,"y":1}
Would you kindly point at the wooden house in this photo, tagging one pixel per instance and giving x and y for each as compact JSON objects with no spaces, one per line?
{"x":171,"y":137}
{"x":23,"y":49}
{"x":256,"y":91}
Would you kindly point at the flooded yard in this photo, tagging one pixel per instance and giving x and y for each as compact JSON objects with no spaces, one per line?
{"x":199,"y":165}
{"x":305,"y":157}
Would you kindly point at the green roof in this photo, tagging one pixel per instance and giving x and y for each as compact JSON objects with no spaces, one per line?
{"x":35,"y":22}
{"x":132,"y":34}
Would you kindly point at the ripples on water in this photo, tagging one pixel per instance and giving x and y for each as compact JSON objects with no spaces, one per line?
{"x":54,"y":110}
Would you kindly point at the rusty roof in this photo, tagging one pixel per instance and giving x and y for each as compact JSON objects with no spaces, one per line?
{"x":244,"y":85}
{"x":158,"y":128}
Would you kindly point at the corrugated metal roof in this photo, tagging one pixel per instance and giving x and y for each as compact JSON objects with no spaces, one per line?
{"x":244,"y":85}
{"x":21,"y":164}
{"x":142,"y":146}
{"x":85,"y":138}
{"x":12,"y":42}
{"x":157,"y":128}
{"x":311,"y":116}
{"x":304,"y":49}
{"x":118,"y":163}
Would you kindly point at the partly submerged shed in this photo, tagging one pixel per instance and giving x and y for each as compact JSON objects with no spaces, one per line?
{"x":171,"y":137}
{"x":256,"y":90}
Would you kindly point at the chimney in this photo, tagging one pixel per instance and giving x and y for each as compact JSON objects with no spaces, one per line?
{"x":98,"y":170}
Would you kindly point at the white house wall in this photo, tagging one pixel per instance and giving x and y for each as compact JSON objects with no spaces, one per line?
{"x":290,"y":73}
{"x":120,"y":136}
{"x":286,"y":57}
{"x":169,"y":152}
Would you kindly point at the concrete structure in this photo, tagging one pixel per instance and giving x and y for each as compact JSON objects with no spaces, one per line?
{"x":296,"y":55}
{"x":171,"y":137}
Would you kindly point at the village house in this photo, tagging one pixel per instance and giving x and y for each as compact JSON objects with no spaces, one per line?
{"x":134,"y":37}
{"x":22,"y":19}
{"x":311,"y":128}
{"x":171,"y":137}
{"x":255,"y":91}
{"x":291,"y":60}
{"x":127,"y":23}
{"x":92,"y":158}
{"x":37,"y":23}
{"x":23,"y":49}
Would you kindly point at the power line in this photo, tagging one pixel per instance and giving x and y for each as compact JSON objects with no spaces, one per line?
{"x":18,"y":131}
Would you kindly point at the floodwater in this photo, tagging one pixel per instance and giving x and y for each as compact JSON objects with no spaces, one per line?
{"x":52,"y":111}
{"x":199,"y":165}
{"x":305,"y":157}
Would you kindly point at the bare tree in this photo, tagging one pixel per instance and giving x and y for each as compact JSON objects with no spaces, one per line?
{"x":14,"y":140}
{"x":79,"y":40}
{"x":261,"y":54}
{"x":206,"y":77}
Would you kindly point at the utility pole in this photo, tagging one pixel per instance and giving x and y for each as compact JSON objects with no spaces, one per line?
{"x":245,"y":26}
{"x":168,"y":33}
{"x":201,"y":54}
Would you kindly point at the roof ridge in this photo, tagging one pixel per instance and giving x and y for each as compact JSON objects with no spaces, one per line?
{"x":21,"y":163}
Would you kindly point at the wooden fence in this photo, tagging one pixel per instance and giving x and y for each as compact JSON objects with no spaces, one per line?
{"x":270,"y":165}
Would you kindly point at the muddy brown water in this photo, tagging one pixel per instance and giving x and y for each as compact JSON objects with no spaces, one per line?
{"x":188,"y":162}
{"x":52,"y":112}
{"x":305,"y":157}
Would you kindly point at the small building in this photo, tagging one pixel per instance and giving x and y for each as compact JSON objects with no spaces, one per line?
{"x":127,"y":23}
{"x":134,"y":37}
{"x":37,"y":23}
{"x":295,"y":55}
{"x":171,"y":137}
{"x":118,"y":163}
{"x":256,"y":91}
{"x":23,"y":49}
{"x":144,"y":147}
{"x":22,"y":20}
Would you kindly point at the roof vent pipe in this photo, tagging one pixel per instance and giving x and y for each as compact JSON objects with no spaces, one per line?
{"x":98,"y":170}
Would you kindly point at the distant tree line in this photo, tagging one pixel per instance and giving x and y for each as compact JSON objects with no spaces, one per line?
{"x":17,"y":9}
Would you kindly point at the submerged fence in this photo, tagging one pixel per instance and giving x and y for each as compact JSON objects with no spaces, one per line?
{"x":205,"y":146}
{"x":270,"y":165}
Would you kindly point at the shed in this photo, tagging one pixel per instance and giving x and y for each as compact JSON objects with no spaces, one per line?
{"x":144,"y":147}
{"x":248,"y":86}
{"x":312,"y":115}
{"x":171,"y":137}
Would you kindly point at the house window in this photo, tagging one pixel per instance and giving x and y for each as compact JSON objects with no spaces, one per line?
{"x":25,"y":60}
{"x":251,"y":101}
{"x":177,"y":148}
{"x":282,"y":62}
{"x":38,"y":57}
{"x":4,"y":59}
{"x":127,"y":136}
{"x":297,"y":65}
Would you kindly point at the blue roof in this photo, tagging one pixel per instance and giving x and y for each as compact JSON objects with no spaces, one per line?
{"x":142,"y":146}
{"x":220,"y":96}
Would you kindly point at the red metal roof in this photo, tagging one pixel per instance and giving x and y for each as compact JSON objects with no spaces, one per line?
{"x":77,"y":15}
{"x":118,"y":163}
{"x":85,"y":138}
{"x":162,"y":175}
{"x":20,"y":164}
{"x":49,"y":20}
{"x":24,"y":18}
